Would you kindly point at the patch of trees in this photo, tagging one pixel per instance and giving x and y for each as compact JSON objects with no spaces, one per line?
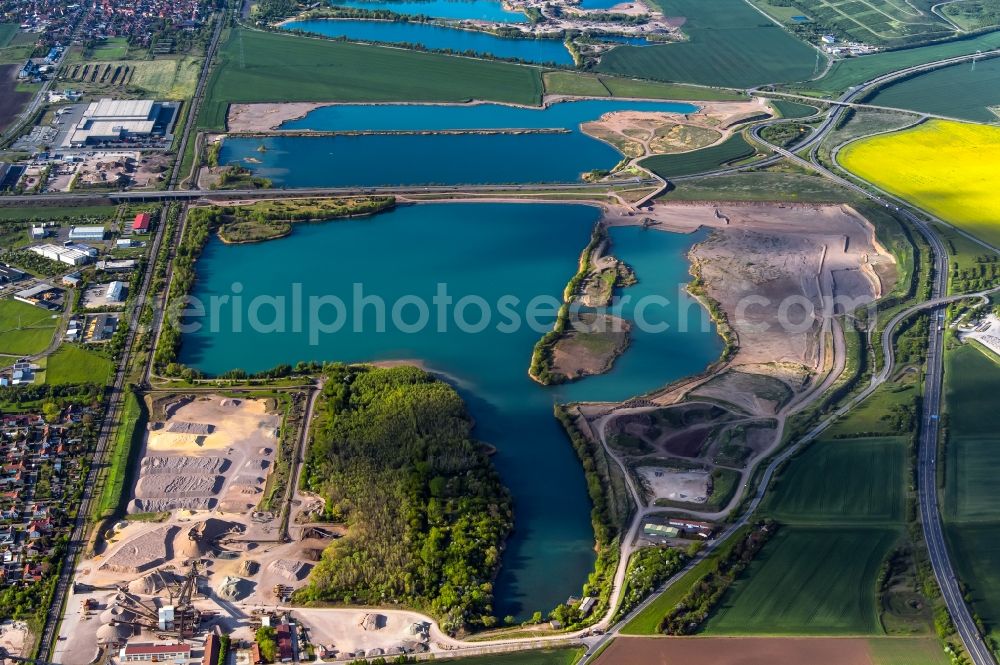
{"x":224,"y":643}
{"x":697,"y":604}
{"x":427,"y":515}
{"x":267,"y":642}
{"x":983,"y":273}
{"x":235,"y":176}
{"x":648,"y":569}
{"x":609,"y":511}
{"x":34,"y":263}
{"x":256,"y":223}
{"x":198,"y":229}
{"x":79,"y":393}
{"x":275,"y":10}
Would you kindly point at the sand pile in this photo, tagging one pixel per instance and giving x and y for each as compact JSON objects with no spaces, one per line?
{"x":166,"y":504}
{"x":174,"y":464}
{"x":151,"y":583}
{"x":290,"y":569}
{"x":190,"y":429}
{"x":233,"y":588}
{"x":181,"y":486}
{"x":113,"y":633}
{"x":145,"y":551}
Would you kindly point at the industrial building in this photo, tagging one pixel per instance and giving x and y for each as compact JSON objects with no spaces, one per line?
{"x":74,"y":255}
{"x":121,"y":120}
{"x":141,"y":223}
{"x":41,"y":295}
{"x":8,"y":274}
{"x":115,"y":292}
{"x":90,"y":232}
{"x":660,"y":530}
{"x":145,"y":652}
{"x":121,"y":265}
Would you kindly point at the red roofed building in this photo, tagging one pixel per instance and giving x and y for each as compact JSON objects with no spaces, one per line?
{"x":149,"y":652}
{"x":141,"y":223}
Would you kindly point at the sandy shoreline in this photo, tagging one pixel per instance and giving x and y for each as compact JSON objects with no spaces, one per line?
{"x":269,"y":116}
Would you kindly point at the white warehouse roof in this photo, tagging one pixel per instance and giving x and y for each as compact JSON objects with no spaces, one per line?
{"x":120,"y":109}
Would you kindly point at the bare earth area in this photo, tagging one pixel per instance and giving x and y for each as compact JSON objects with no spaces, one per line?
{"x":591,"y":347}
{"x":640,"y":134}
{"x":737,"y":651}
{"x":774,"y":270}
{"x":11,"y":101}
{"x":266,"y":117}
{"x":15,"y":637}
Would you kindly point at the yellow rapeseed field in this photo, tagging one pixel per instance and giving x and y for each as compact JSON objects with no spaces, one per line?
{"x":950,"y":169}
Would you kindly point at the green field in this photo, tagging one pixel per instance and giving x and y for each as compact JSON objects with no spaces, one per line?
{"x":852,"y":71}
{"x":789,"y":109}
{"x":731,"y":150}
{"x":48,"y":213}
{"x":127,"y":440}
{"x":7,"y":32}
{"x":647,"y":622}
{"x":113,"y":48}
{"x":15,"y":47}
{"x":879,"y":22}
{"x":729,"y":43}
{"x":165,"y":78}
{"x":24,"y":329}
{"x":264,"y":67}
{"x":873,"y":416}
{"x":971,"y":509}
{"x":847,"y":481}
{"x":808,"y":581}
{"x":560,"y":82}
{"x":975,"y":552}
{"x":767,"y":185}
{"x":72,"y":364}
{"x":957,"y":91}
{"x":907,"y":651}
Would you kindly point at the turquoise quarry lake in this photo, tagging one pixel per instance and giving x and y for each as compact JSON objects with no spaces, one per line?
{"x":476,"y":249}
{"x":483,"y":10}
{"x":439,"y":38}
{"x":444,"y":159}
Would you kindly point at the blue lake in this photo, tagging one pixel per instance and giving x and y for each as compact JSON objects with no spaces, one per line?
{"x":366,"y":161}
{"x":436,"y":37}
{"x":599,"y":4}
{"x":623,"y":39}
{"x":482,"y":10}
{"x":490,"y":251}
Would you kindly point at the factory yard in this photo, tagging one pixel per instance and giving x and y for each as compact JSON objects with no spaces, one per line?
{"x":675,"y":485}
{"x":201,"y":474}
